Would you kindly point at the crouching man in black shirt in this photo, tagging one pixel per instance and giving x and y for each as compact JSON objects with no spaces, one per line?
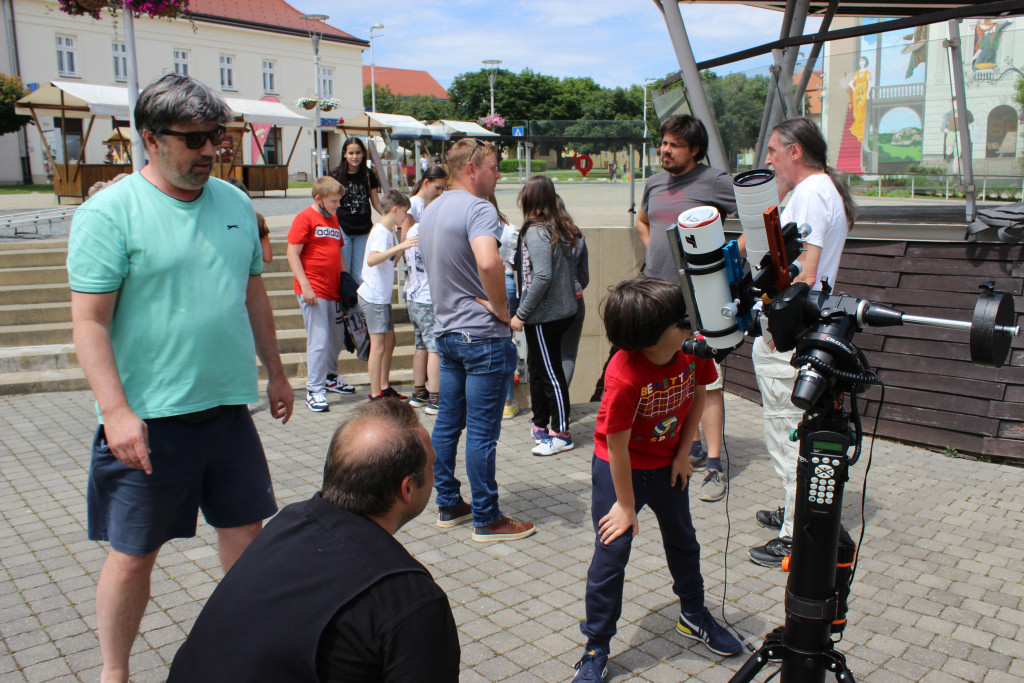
{"x":325,"y":592}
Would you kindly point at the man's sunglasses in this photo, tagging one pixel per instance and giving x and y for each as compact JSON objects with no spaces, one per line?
{"x":197,"y":138}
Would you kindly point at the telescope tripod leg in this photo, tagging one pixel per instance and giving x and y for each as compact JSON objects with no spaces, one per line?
{"x":836,"y":663}
{"x":770,"y":651}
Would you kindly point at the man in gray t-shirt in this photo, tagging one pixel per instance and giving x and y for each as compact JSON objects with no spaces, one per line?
{"x":684,"y":184}
{"x":459,"y":239}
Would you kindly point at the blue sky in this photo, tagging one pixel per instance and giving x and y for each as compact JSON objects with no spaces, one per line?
{"x":615,"y":42}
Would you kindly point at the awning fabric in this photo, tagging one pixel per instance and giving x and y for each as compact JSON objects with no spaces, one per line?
{"x":397,"y":125}
{"x":461,"y":129}
{"x":271,"y":113}
{"x":82,"y":100}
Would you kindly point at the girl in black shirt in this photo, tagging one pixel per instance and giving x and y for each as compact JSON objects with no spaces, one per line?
{"x":361,"y":191}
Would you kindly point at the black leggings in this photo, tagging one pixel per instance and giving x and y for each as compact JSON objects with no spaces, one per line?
{"x":549,"y":392}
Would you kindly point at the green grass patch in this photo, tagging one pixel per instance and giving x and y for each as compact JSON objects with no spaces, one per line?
{"x":25,"y":189}
{"x":299,"y":185}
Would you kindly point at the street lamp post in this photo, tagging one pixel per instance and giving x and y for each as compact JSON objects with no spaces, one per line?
{"x":643,"y":161}
{"x":315,"y":32}
{"x":373,"y":80}
{"x":493,"y":65}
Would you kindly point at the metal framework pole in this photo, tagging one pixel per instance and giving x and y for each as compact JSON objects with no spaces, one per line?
{"x":793,"y":25}
{"x":691,"y":79}
{"x":632,"y":188}
{"x":131,"y":62}
{"x":316,"y":110}
{"x":966,"y":148}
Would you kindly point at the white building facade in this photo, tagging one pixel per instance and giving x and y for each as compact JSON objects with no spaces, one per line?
{"x":258,"y":50}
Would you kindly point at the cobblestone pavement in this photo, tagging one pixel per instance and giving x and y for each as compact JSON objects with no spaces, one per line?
{"x":938,"y":595}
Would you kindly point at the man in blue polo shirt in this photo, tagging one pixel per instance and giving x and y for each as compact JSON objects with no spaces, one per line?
{"x":169,"y":309}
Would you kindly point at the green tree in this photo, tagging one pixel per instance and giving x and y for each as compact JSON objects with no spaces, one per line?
{"x":609,"y":113}
{"x":387,"y":101}
{"x":11,"y":90}
{"x":420,"y":107}
{"x":737,"y":102}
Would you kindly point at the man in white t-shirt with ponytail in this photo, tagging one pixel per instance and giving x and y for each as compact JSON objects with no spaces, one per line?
{"x":822,"y":202}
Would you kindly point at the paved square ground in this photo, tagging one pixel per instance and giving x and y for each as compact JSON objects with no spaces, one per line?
{"x":938,"y":595}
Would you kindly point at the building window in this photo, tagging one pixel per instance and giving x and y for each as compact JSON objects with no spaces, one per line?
{"x":227,"y":72}
{"x":269,"y":76}
{"x":181,"y":59}
{"x":120,"y":62}
{"x":67,"y":62}
{"x":326,"y":81}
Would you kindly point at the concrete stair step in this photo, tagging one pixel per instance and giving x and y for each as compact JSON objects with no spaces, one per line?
{"x":53,"y":368}
{"x":36,"y":294}
{"x":40,"y":334}
{"x":26,"y":258}
{"x":32,"y":245}
{"x":44,"y":324}
{"x":35,"y":313}
{"x":33,"y":275}
{"x":293,"y":340}
{"x":37,"y":358}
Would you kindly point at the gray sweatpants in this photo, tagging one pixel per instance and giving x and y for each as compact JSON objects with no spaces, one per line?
{"x":325,"y":337}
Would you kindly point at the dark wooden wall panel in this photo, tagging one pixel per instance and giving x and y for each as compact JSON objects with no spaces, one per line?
{"x":935,"y":396}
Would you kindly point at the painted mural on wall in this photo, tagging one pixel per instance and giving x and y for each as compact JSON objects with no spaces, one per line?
{"x":885,"y":117}
{"x":897,"y":103}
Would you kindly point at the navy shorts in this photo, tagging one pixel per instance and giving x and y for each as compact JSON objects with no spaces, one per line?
{"x":216,"y":465}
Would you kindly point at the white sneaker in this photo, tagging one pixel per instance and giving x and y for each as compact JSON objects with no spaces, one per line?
{"x":553,"y":444}
{"x":317,"y":402}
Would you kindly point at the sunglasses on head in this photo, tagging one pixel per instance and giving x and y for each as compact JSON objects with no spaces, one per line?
{"x":197,"y":138}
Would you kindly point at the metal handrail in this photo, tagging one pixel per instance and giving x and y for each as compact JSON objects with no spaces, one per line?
{"x":34,"y":219}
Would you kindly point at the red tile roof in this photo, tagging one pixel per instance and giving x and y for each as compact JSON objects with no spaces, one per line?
{"x":273,"y":15}
{"x":813,"y":90}
{"x":405,"y":82}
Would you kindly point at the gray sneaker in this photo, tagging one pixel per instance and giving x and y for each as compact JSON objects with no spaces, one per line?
{"x":698,"y":458}
{"x":713,"y":488}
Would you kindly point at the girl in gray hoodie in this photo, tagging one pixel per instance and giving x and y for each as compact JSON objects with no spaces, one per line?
{"x":547,"y":307}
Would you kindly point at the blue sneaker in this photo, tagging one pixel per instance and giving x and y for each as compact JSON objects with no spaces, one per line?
{"x":592,"y":667}
{"x":539,"y":434}
{"x":703,"y":627}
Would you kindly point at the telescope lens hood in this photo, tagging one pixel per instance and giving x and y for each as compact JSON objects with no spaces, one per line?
{"x":753,"y":178}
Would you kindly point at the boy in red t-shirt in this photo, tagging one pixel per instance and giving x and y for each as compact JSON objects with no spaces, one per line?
{"x":314,"y":256}
{"x":652,"y":403}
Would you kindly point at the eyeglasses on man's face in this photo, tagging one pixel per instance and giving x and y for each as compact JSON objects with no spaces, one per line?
{"x":197,"y":138}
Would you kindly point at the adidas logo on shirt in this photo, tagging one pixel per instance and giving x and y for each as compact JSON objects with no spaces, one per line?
{"x":326,"y":231}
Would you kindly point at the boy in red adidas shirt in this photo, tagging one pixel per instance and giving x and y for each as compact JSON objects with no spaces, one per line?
{"x":652,"y":403}
{"x":314,"y":256}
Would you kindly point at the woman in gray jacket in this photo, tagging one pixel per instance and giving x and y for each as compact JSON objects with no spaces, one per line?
{"x":547,"y":307}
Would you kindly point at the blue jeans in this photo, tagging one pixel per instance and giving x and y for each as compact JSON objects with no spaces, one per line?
{"x":607,"y":572}
{"x":474,"y":372}
{"x":513,"y":306}
{"x":352,"y":252}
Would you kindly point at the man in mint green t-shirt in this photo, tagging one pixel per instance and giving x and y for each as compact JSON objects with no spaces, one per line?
{"x":169,"y":310}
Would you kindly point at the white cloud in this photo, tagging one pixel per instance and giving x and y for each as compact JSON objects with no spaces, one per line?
{"x":615,"y":42}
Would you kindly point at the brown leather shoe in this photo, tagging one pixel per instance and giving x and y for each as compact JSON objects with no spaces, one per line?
{"x":503,"y":529}
{"x":449,"y":517}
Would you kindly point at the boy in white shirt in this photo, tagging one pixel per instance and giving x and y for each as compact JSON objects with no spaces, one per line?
{"x":378,"y":285}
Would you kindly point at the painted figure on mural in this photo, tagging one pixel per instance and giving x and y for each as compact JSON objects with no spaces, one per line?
{"x":950,"y":132}
{"x":859,"y":87}
{"x":986,"y":43}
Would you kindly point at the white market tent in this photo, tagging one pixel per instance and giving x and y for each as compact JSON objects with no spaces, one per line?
{"x":63,"y":99}
{"x":445,"y":130}
{"x":397,"y":125}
